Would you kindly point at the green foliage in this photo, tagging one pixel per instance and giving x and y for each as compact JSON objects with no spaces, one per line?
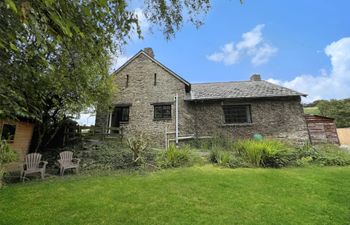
{"x":175,"y":157}
{"x":108,"y":156}
{"x":331,"y":155}
{"x":337,"y":109}
{"x":307,"y":150}
{"x":6,"y":155}
{"x":276,"y":154}
{"x":261,"y":153}
{"x":304,"y":161}
{"x":138,"y":145}
{"x":321,"y":155}
{"x":219,"y":156}
{"x":227,"y":158}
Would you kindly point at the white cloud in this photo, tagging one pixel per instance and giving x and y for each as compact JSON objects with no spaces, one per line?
{"x":118,"y":61}
{"x":251,"y":39}
{"x":229,"y":55}
{"x":252,"y":45}
{"x":263,"y":54}
{"x":143,"y":22}
{"x":326,"y":85}
{"x":145,"y":26}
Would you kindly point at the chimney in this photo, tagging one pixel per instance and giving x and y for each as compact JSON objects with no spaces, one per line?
{"x":149,"y":52}
{"x":255,"y":77}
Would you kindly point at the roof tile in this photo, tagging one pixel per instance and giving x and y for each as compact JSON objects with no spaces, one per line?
{"x":240,"y":89}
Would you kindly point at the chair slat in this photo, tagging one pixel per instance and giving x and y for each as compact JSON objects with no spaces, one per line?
{"x":33,"y":160}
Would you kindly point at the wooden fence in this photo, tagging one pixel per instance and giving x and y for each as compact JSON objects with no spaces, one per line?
{"x":344,"y":135}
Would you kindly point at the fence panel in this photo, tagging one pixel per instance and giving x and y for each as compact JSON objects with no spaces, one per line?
{"x":344,"y":135}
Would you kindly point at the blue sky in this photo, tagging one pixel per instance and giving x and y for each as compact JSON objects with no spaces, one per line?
{"x":285,"y":42}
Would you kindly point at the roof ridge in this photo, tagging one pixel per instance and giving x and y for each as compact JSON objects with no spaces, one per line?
{"x":224,"y":82}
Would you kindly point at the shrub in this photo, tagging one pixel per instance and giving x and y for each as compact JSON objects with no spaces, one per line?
{"x":252,"y":150}
{"x":307,"y":150}
{"x":331,"y":155}
{"x":175,"y":157}
{"x":138,"y":145}
{"x":285,"y":156}
{"x":226,"y":158}
{"x":219,"y":156}
{"x":108,"y":155}
{"x":6,"y":155}
{"x":237,"y":161}
{"x":304,"y":161}
{"x":267,"y":153}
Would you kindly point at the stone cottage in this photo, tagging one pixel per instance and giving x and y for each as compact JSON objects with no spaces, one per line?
{"x":158,"y":102}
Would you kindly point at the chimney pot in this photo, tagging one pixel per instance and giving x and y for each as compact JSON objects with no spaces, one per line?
{"x":149,"y":52}
{"x":255,"y":77}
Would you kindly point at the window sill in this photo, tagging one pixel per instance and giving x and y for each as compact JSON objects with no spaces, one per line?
{"x":124,"y":122}
{"x":169,"y":119}
{"x":237,"y":124}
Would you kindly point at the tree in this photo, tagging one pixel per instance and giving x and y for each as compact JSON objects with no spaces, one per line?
{"x":337,"y":109}
{"x":55,"y":54}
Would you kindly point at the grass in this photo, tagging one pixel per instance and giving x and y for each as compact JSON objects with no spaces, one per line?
{"x":312,"y":110}
{"x":196,"y":195}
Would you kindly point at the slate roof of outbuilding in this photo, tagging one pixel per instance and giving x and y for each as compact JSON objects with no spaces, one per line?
{"x":239,"y":89}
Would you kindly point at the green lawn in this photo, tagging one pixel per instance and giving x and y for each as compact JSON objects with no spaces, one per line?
{"x":312,"y":110}
{"x":197,"y":195}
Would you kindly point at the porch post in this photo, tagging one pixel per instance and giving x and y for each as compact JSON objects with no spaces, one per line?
{"x":109,"y":122}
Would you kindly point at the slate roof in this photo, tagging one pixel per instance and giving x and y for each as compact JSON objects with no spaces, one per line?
{"x":240,"y":89}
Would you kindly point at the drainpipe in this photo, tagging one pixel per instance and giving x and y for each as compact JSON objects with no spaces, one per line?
{"x":177,"y":119}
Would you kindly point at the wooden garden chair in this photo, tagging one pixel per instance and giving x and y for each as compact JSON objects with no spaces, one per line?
{"x":67,"y":161}
{"x":33,"y":164}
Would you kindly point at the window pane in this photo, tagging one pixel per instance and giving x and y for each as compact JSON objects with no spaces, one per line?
{"x":120,"y":114}
{"x":125,"y":114}
{"x":162,"y":112}
{"x":157,"y":112}
{"x":8,"y":132}
{"x":237,"y":113}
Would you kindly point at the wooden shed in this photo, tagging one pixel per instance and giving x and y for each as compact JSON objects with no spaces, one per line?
{"x":19,"y":135}
{"x":322,"y":129}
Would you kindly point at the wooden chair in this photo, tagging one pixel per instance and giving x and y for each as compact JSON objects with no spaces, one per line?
{"x":32,"y":164}
{"x":67,"y":161}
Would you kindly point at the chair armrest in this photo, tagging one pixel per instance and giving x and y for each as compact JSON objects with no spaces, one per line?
{"x":60,"y":162}
{"x":76,"y":159}
{"x":44,"y":163}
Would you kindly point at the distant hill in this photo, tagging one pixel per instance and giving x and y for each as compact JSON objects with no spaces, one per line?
{"x":312,"y":110}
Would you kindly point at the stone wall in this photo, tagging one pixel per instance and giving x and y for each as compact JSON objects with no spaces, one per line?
{"x":141,"y":92}
{"x":280,"y":118}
